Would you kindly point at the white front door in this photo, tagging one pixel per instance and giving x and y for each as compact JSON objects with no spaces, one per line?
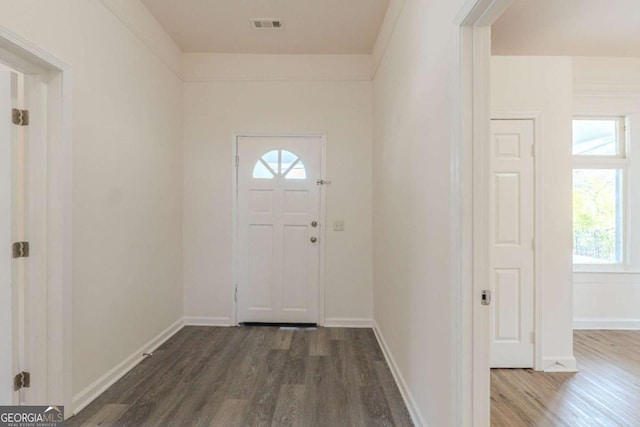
{"x":278,"y":229}
{"x":511,"y":232}
{"x":6,"y":321}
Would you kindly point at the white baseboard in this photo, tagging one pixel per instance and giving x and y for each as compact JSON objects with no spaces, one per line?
{"x":207,"y":321}
{"x":347,"y":322}
{"x":416,"y":415}
{"x":89,"y":394}
{"x":559,"y":364}
{"x":613,"y":324}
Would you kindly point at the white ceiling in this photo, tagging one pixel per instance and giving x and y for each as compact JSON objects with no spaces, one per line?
{"x":310,"y":26}
{"x":569,"y":27}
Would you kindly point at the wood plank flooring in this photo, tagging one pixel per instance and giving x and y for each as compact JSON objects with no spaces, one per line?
{"x":606,"y":391}
{"x":255,"y":376}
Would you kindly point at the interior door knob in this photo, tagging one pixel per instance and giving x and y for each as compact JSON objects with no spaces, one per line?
{"x":314,"y":239}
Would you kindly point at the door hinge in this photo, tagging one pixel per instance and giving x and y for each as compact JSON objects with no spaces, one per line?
{"x":20,"y":117}
{"x":21,"y":249}
{"x":485,"y":298}
{"x":533,"y":244}
{"x":235,"y":294}
{"x":237,"y":161}
{"x":533,"y":337}
{"x":533,"y":150}
{"x":22,"y":380}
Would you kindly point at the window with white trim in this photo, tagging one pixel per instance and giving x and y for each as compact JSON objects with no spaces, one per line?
{"x":599,"y":174}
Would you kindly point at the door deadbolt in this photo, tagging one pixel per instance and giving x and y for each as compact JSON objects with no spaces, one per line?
{"x":313,"y":239}
{"x":314,"y":223}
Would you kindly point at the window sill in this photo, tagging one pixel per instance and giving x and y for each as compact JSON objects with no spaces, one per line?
{"x":606,"y":277}
{"x":601,"y":268}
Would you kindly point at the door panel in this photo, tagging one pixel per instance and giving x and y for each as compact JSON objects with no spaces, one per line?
{"x":507,"y":290}
{"x":278,"y":198}
{"x":294,"y":280}
{"x":260,"y":266}
{"x":511,"y":253}
{"x":507,"y":218}
{"x":296,"y":202}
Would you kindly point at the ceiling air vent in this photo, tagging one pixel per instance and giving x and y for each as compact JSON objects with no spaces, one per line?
{"x":266,"y":23}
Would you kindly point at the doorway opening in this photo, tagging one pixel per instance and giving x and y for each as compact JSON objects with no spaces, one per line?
{"x":475,"y":273}
{"x":470,"y":268}
{"x":43,"y":209}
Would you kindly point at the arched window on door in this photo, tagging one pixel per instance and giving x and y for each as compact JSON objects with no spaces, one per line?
{"x":279,"y":162}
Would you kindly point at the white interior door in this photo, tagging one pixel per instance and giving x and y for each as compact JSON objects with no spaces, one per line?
{"x":278,"y":229}
{"x":512,"y":245}
{"x":6,"y":321}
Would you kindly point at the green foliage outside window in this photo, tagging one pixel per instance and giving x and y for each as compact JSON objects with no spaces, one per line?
{"x":596,"y":213}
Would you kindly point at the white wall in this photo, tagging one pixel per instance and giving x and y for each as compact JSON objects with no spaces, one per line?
{"x":412,"y":197}
{"x":227,"y":94}
{"x":127,"y":170}
{"x":611,"y":300}
{"x":544,"y":85}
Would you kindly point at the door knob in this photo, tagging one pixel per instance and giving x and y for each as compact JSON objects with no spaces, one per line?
{"x":314,"y":223}
{"x":313,"y":239}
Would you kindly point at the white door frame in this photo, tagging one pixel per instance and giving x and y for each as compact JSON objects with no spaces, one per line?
{"x":536,"y":117}
{"x":323,"y":226}
{"x":470,"y":132}
{"x":49,"y":196}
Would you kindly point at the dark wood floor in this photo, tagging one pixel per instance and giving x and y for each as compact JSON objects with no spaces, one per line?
{"x":255,"y":376}
{"x":605,"y":391}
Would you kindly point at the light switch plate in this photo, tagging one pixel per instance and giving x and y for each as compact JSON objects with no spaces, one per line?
{"x":338,"y":225}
